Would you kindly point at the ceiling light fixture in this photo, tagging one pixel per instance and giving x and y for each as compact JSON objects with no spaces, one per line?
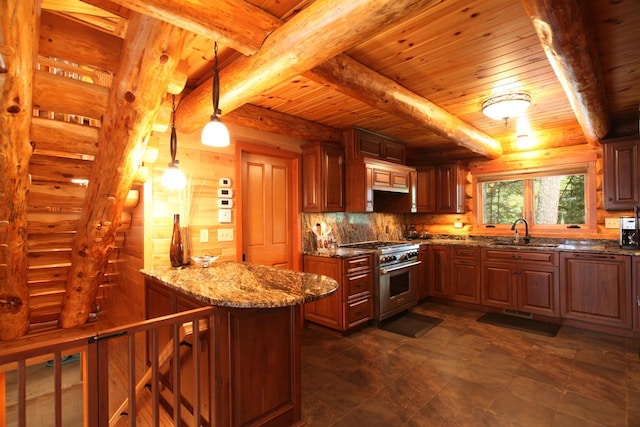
{"x":506,"y":106}
{"x":173,"y":178}
{"x":215,"y":133}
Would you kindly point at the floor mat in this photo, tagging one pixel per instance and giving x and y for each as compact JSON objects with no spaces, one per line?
{"x":410,"y":324}
{"x":521,"y":324}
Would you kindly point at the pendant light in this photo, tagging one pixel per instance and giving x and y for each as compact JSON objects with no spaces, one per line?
{"x":173,"y":178}
{"x":215,"y":133}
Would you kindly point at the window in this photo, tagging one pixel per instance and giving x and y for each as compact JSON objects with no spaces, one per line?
{"x":550,"y":199}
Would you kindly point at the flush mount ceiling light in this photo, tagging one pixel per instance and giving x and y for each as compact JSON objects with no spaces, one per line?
{"x":173,"y":178}
{"x":506,"y":106}
{"x":215,"y":133}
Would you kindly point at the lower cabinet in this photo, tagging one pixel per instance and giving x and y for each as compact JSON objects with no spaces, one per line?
{"x":597,"y":289}
{"x":352,"y":304}
{"x":635,"y":296}
{"x":423,"y":272}
{"x":522,"y":281}
{"x":439,"y":271}
{"x":465,"y":274}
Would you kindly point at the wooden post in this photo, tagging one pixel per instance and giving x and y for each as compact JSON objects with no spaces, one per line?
{"x":150,"y":54}
{"x":18,"y":48}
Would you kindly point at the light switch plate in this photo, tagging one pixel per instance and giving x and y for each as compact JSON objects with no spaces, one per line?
{"x":611,"y":223}
{"x":204,"y":235}
{"x":224,"y":215}
{"x":225,"y":234}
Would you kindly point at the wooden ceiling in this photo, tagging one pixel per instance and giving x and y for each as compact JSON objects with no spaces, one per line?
{"x":451,"y":53}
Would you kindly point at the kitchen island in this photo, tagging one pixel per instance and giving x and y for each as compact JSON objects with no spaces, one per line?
{"x":256,"y":334}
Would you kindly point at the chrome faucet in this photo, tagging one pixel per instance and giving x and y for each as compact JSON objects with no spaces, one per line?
{"x":527,"y":237}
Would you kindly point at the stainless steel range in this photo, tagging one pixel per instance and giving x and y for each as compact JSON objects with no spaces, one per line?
{"x":395,"y":285}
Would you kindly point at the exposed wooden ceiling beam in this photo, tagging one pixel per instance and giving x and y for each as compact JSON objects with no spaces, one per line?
{"x":18,"y":48}
{"x":283,"y":124}
{"x":316,"y":34}
{"x":234,"y":23}
{"x":348,"y":76}
{"x":150,"y":55}
{"x":567,"y":41}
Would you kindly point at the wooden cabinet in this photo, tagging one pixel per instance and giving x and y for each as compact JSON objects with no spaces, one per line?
{"x":597,"y":288}
{"x":440,"y":189}
{"x":352,"y":304}
{"x":380,"y":186}
{"x":621,"y":173}
{"x":323,"y":188}
{"x":635,"y":298}
{"x":361,"y":143}
{"x":439,"y":271}
{"x":423,"y":272}
{"x":521,"y":281}
{"x":465,"y":274}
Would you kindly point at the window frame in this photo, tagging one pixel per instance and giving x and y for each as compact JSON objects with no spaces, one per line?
{"x":584,"y":167}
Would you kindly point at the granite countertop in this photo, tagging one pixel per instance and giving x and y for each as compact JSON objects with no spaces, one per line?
{"x":340,"y":253}
{"x":245,"y":285}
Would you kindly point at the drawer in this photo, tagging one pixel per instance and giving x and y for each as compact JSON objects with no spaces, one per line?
{"x":465,"y":252}
{"x":358,"y":311}
{"x":358,"y":263}
{"x":537,"y":257}
{"x":359,"y":284}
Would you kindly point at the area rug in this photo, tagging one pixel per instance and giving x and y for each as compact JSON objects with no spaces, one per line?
{"x":410,"y":324}
{"x":521,"y":324}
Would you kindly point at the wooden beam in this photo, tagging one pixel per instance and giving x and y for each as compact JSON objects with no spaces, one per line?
{"x":348,"y":76}
{"x":18,"y":48}
{"x":56,"y":135}
{"x":234,"y":23}
{"x":567,"y":41}
{"x":150,"y":55}
{"x":64,"y":38}
{"x":319,"y":32}
{"x":266,"y":120}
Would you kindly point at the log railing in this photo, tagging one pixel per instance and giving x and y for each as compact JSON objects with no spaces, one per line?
{"x":116,"y":373}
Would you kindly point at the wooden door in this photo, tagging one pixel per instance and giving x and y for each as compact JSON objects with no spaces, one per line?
{"x":267,"y":210}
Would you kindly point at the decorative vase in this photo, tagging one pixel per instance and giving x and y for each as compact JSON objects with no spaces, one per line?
{"x":186,"y":242}
{"x":176,"y":250}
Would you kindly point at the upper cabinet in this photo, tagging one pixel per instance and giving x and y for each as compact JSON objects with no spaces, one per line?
{"x":440,"y":189}
{"x":323,"y":178}
{"x":621,"y":173}
{"x":361,"y":143}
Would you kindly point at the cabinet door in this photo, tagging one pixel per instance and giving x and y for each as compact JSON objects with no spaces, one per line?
{"x":635,"y":299}
{"x":311,"y":180}
{"x":426,"y":190}
{"x":326,"y":311}
{"x":369,"y":145}
{"x":621,"y":184}
{"x":465,"y":280}
{"x":597,"y":288}
{"x":439,"y":271}
{"x":394,"y":152}
{"x":450,"y":189}
{"x":333,"y":180}
{"x":423,"y":272}
{"x":538,"y":290}
{"x":499,"y":284}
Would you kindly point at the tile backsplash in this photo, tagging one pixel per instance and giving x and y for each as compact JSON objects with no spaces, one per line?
{"x":354,"y":227}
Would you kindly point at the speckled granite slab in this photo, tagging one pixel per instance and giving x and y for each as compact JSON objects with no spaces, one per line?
{"x":245,"y":285}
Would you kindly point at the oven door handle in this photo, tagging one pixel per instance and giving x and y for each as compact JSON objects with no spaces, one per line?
{"x":384,"y":271}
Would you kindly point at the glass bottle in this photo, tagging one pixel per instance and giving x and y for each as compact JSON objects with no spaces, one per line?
{"x":176,"y":250}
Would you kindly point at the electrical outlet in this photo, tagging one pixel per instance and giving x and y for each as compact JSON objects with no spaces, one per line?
{"x":611,"y":223}
{"x":204,"y":235}
{"x":225,"y":234}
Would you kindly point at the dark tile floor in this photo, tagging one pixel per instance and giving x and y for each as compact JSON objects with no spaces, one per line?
{"x":466,"y":373}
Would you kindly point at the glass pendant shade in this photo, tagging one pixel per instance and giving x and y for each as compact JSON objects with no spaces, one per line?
{"x":173,"y":178}
{"x":215,"y":133}
{"x":507,"y":106}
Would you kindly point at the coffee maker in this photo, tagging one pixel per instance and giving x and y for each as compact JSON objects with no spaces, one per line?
{"x":630,"y":231}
